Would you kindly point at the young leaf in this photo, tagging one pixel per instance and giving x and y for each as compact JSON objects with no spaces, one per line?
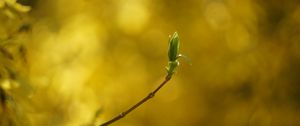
{"x":173,"y":47}
{"x":173,"y":54}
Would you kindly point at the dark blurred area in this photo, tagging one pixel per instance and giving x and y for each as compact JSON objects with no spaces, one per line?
{"x":81,"y":62}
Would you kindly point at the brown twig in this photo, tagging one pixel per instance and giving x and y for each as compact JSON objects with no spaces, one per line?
{"x":149,"y":96}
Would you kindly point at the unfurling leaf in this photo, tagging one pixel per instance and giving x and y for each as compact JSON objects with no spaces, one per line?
{"x":173,"y":54}
{"x":173,"y":47}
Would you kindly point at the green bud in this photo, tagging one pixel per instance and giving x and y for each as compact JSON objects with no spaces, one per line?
{"x":173,"y":47}
{"x":171,"y":68}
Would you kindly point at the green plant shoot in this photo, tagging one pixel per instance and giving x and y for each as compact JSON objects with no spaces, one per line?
{"x":173,"y":54}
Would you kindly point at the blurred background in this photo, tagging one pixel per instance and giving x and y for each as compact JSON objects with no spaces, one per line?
{"x":81,"y":62}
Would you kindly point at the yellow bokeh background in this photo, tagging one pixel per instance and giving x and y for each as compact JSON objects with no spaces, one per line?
{"x":101,"y":56}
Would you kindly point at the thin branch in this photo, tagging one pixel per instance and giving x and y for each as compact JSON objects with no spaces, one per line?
{"x":149,"y":96}
{"x":173,"y":55}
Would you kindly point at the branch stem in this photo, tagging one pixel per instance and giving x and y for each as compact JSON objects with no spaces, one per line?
{"x":149,"y":96}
